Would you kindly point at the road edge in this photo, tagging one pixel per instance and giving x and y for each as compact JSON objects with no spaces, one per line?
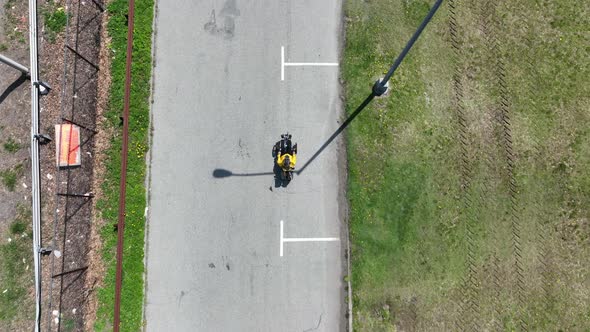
{"x":148,"y":165}
{"x":342,"y":157}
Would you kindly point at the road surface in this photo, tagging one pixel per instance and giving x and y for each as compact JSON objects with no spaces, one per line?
{"x":213,"y":244}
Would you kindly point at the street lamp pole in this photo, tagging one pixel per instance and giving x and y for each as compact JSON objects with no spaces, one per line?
{"x":380,"y":87}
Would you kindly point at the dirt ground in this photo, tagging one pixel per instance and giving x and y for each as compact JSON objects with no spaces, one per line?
{"x":15,"y":118}
{"x":71,"y":222}
{"x":67,"y":220}
{"x":15,"y":115}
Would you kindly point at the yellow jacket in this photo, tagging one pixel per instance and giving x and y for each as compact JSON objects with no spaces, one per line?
{"x":281,"y":160}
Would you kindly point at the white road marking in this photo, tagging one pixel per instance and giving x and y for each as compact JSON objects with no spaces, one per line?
{"x":302,"y":239}
{"x":310,"y":64}
{"x":293,"y":64}
{"x":282,"y":73}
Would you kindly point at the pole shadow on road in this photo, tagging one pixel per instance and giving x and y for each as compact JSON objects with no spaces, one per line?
{"x":13,"y":87}
{"x":223,"y":173}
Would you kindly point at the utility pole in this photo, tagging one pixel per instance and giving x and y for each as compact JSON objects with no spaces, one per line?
{"x":8,"y":61}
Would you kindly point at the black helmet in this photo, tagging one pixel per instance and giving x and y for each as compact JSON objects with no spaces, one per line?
{"x":287,"y":161}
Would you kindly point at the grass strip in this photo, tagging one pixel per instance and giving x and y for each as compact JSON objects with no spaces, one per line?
{"x":133,"y":252}
{"x":409,"y":214}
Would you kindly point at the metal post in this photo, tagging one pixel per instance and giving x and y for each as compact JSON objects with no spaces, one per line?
{"x":381,"y":85}
{"x":14,"y":64}
{"x":35,"y":183}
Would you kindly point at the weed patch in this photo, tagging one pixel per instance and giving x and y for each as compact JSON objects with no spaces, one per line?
{"x":10,"y":176}
{"x":55,"y":19}
{"x":11,"y":145}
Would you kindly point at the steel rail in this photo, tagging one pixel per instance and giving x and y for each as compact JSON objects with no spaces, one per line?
{"x":35,"y":181}
{"x":123,"y":180}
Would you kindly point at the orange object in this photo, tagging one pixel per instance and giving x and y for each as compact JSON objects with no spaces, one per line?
{"x":67,"y":145}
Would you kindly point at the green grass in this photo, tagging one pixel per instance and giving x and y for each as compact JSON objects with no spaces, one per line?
{"x":133,"y":268}
{"x":18,"y":227}
{"x":11,"y":145}
{"x":14,"y":29}
{"x":409,"y":216}
{"x":10,"y":176}
{"x":16,"y":272}
{"x":68,"y":325}
{"x":55,"y":19}
{"x":9,"y":3}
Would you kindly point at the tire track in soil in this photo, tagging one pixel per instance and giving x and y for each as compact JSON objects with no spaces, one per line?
{"x":469,"y":289}
{"x":543,"y":250}
{"x":489,"y":27}
{"x":492,"y":283}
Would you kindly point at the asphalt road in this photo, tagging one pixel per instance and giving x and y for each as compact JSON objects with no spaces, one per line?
{"x":213,"y":260}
